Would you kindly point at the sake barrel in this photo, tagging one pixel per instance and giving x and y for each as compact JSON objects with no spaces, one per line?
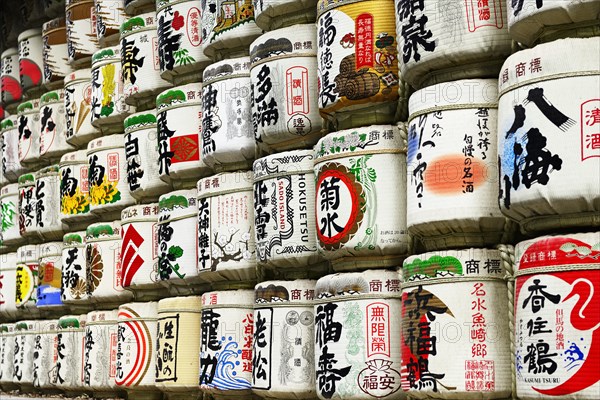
{"x":8,"y":280}
{"x":227,"y":134}
{"x":452,"y":161}
{"x":108,"y":175}
{"x":228,"y":28}
{"x":179,"y":127}
{"x":54,"y":7}
{"x":27,"y":202}
{"x":140,"y":66}
{"x":100,"y":353}
{"x":108,"y":99}
{"x":178,"y":339}
{"x":275,"y":14}
{"x":74,"y":187}
{"x":55,"y":52}
{"x":358,"y":62}
{"x":468,"y":42}
{"x":27,"y":280}
{"x":141,"y":152}
{"x":78,"y":108}
{"x":180,"y":41}
{"x":530,"y":23}
{"x":110,"y":14}
{"x":45,"y":355}
{"x":226,"y":346}
{"x":48,"y":223}
{"x":9,"y":76}
{"x":9,"y":205}
{"x":226,"y":241}
{"x":285,"y":111}
{"x":23,"y":355}
{"x":53,"y":126}
{"x":469,"y":355}
{"x":536,"y":120}
{"x":139,"y":248}
{"x":11,"y":164}
{"x":71,"y":344}
{"x":284,"y":213}
{"x":103,"y":264}
{"x":7,"y":344}
{"x":50,"y":277}
{"x":136,"y":7}
{"x":28,"y":122}
{"x":177,"y":248}
{"x":556,"y":317}
{"x":30,"y":59}
{"x":357,"y":335}
{"x":283,"y":353}
{"x":136,"y":352}
{"x":359,"y":223}
{"x":82,"y":40}
{"x":74,"y":282}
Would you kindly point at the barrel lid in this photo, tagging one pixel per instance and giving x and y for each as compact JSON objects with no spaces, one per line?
{"x":190,"y":94}
{"x":281,"y":43}
{"x":70,"y":3}
{"x":55,"y":96}
{"x":103,"y":231}
{"x":285,"y":292}
{"x":160,"y":4}
{"x":10,"y":189}
{"x":10,"y":122}
{"x":26,"y":180}
{"x":180,"y":203}
{"x":50,"y":249}
{"x":384,"y":283}
{"x":107,"y":54}
{"x":227,"y":69}
{"x":180,"y":304}
{"x":240,"y":298}
{"x":29,"y":33}
{"x":47,"y":326}
{"x":74,"y":238}
{"x":10,"y":52}
{"x":285,"y":163}
{"x":74,"y":157}
{"x":140,"y":120}
{"x":84,"y":74}
{"x":223,"y":183}
{"x":9,"y":261}
{"x":29,"y":106}
{"x":138,"y":310}
{"x":27,"y":253}
{"x":29,"y":326}
{"x":138,"y":23}
{"x":47,"y":171}
{"x":72,"y":321}
{"x":53,"y":24}
{"x":140,"y":212}
{"x":105,"y":143}
{"x":7,"y":328}
{"x":101,"y":317}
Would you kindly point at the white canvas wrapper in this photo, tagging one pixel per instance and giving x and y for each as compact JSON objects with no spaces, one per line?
{"x":100,"y":353}
{"x":455,"y":320}
{"x":546,"y":138}
{"x":75,"y":200}
{"x":31,"y":59}
{"x":12,"y":166}
{"x":55,"y":52}
{"x":53,"y":126}
{"x":71,"y":345}
{"x":45,"y":354}
{"x":9,"y":203}
{"x":275,"y":14}
{"x":226,"y":345}
{"x":27,"y":280}
{"x":78,"y":108}
{"x":27,"y":205}
{"x":227,"y":134}
{"x":82,"y":40}
{"x":283,"y":353}
{"x":284,"y":75}
{"x":9,"y":76}
{"x":556,"y":317}
{"x":23,"y":355}
{"x":28,"y":126}
{"x":8,"y":282}
{"x":357,"y":328}
{"x":110,"y":14}
{"x":359,"y":224}
{"x":48,"y":223}
{"x":74,"y":285}
{"x":7,"y":354}
{"x":451,"y":40}
{"x":226,"y":241}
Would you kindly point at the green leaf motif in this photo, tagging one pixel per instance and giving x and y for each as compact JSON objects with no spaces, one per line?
{"x":176,"y":251}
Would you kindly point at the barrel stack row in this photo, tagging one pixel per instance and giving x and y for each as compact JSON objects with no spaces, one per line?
{"x":380,"y":134}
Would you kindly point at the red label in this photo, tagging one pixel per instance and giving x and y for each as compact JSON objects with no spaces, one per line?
{"x":378,"y":329}
{"x":297,"y":90}
{"x":482,"y":13}
{"x":193,"y":27}
{"x":113,"y":355}
{"x":132,"y":260}
{"x":113,"y":166}
{"x":185,"y":148}
{"x":84,"y":184}
{"x":364,"y":41}
{"x":590,"y":129}
{"x":48,"y":272}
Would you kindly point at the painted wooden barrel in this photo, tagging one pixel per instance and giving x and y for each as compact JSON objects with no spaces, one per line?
{"x":110,"y":14}
{"x":178,"y":341}
{"x":78,"y":108}
{"x":136,"y":7}
{"x":48,"y":222}
{"x":50,"y":277}
{"x":226,"y":347}
{"x":28,"y":127}
{"x":140,"y":66}
{"x":7,"y":344}
{"x":285,"y":111}
{"x":455,"y":313}
{"x":228,"y":28}
{"x":74,"y":284}
{"x":9,"y":205}
{"x":276,"y":14}
{"x":470,"y":41}
{"x":54,"y":8}
{"x":556,"y":317}
{"x":55,"y":52}
{"x":284,"y":214}
{"x":141,"y":152}
{"x":179,"y":127}
{"x":180,"y":48}
{"x":82,"y":40}
{"x":357,"y":335}
{"x":359,"y":224}
{"x":9,"y":76}
{"x":70,"y":347}
{"x":100,"y":353}
{"x":136,"y":347}
{"x":226,"y":241}
{"x":23,"y":355}
{"x":11,"y":164}
{"x":8,"y":281}
{"x":27,"y":280}
{"x":31,"y":59}
{"x":27,"y":201}
{"x":103,"y":265}
{"x":452,"y":165}
{"x":45,"y":354}
{"x":227,"y":132}
{"x":108,"y":99}
{"x":283,"y":352}
{"x":535,"y":120}
{"x":177,"y":248}
{"x":109,"y":190}
{"x":139,"y":248}
{"x":75,"y":198}
{"x":53,"y":126}
{"x":358,"y":62}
